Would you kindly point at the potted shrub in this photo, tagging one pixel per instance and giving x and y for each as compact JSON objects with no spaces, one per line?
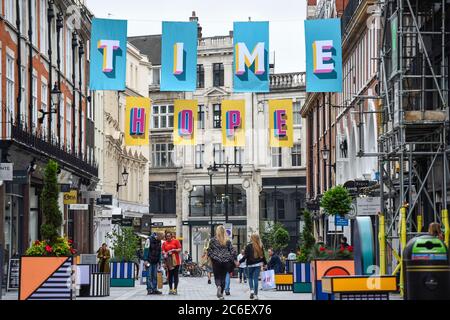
{"x":47,"y":264}
{"x":123,"y":262}
{"x":332,"y":261}
{"x":302,"y":268}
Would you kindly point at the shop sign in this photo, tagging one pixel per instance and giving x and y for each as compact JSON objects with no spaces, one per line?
{"x":6,"y":171}
{"x":71,"y":197}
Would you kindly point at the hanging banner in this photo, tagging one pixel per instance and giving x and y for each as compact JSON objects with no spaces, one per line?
{"x":108,"y":54}
{"x":281,"y":123}
{"x":323,"y":55}
{"x":185,"y":122}
{"x":251,"y":57}
{"x":179,"y":56}
{"x":233,"y":123}
{"x":137,"y":116}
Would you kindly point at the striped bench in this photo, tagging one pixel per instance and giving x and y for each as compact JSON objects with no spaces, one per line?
{"x":100,"y":284}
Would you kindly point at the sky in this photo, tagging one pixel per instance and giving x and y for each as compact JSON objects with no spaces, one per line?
{"x":216,"y":18}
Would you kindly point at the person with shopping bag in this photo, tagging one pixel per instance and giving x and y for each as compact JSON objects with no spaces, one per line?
{"x":268,"y":280}
{"x":152,"y":259}
{"x":223,"y":257}
{"x":171,"y":249}
{"x":255,"y":260}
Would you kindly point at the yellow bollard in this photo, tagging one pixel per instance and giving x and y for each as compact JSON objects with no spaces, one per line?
{"x":419,"y":223}
{"x":382,"y":242}
{"x":403,"y":245}
{"x":446,"y":226}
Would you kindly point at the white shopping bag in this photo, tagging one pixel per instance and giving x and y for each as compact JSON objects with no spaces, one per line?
{"x":268,"y":280}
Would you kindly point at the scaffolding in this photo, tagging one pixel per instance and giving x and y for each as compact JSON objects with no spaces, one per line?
{"x":414,"y":138}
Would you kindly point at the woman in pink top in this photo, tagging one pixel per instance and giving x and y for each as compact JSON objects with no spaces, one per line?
{"x":171,"y":249}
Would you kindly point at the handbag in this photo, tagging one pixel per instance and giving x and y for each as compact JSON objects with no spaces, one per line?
{"x":268,"y":280}
{"x":174,"y":260}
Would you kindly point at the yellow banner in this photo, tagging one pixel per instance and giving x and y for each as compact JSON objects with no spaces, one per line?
{"x":281,"y":123}
{"x":70,"y":197}
{"x":137,"y":119}
{"x":233,"y":123}
{"x":185,"y":122}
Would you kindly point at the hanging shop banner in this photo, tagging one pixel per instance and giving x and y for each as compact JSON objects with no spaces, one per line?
{"x":108,"y":54}
{"x":137,"y":118}
{"x":281,"y":123}
{"x":251,"y":57}
{"x":185,"y":122}
{"x":233,"y":123}
{"x":71,"y":197}
{"x":179,"y":56}
{"x":323,"y":55}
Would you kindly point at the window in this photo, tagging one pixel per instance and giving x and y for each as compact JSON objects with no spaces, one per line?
{"x":162,"y":117}
{"x":218,"y":153}
{"x":217,"y":116}
{"x":23,"y":13}
{"x":276,"y":157}
{"x":76,"y":123}
{"x":218,"y":74}
{"x":83,"y":132}
{"x":297,"y":115}
{"x":296,"y":155}
{"x":280,"y":209}
{"x":68,"y":127}
{"x":162,"y":197}
{"x":156,"y":75}
{"x":199,"y":151}
{"x":68,"y":52}
{"x":10,"y":10}
{"x":201,"y":117}
{"x":200,"y":76}
{"x":162,"y":155}
{"x":34,"y":26}
{"x":61,"y":118}
{"x":44,"y":107}
{"x":34,"y":119}
{"x":43,"y":25}
{"x":10,"y":96}
{"x":23,"y":102}
{"x":238,"y":155}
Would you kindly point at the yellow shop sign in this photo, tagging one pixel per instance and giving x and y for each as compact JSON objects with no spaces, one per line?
{"x":70,"y":197}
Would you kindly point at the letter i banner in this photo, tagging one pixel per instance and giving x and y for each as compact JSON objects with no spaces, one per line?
{"x":323,"y":43}
{"x":108,"y":54}
{"x":137,"y":117}
{"x":233,"y":123}
{"x":251,"y":57}
{"x":185,"y":122}
{"x":281,"y":123}
{"x":179,"y":56}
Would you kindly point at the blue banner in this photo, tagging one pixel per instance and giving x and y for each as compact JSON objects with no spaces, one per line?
{"x":323,"y":55}
{"x":251,"y":57}
{"x":108,"y":54}
{"x":179,"y":56}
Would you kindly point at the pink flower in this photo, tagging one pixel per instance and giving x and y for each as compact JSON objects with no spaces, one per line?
{"x":73,"y":251}
{"x":350,"y":248}
{"x":322,"y":249}
{"x":48,"y":248}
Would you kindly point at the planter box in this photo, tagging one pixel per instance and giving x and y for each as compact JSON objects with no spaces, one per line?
{"x":122,"y":274}
{"x":284,"y":282}
{"x":322,"y":268}
{"x":46,"y":278}
{"x":302,"y":277}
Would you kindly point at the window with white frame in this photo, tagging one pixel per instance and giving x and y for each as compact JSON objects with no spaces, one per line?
{"x":22,"y":14}
{"x":162,"y":155}
{"x":296,"y":152}
{"x":23,"y":96}
{"x":34,"y":26}
{"x":43,"y":26}
{"x":68,"y":126}
{"x":156,"y":75}
{"x":75,"y":121}
{"x":83,"y":132}
{"x":297,"y":114}
{"x":68,"y":52}
{"x":199,"y":152}
{"x":218,"y":153}
{"x":162,"y":117}
{"x":277,"y":157}
{"x":238,"y":155}
{"x":10,"y":96}
{"x":44,"y":107}
{"x":201,"y":117}
{"x":34,"y":118}
{"x":61,"y":118}
{"x":10,"y":9}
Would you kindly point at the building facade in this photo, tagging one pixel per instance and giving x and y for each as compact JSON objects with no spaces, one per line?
{"x":130,"y":197}
{"x":45,"y":114}
{"x":342,"y":128}
{"x":263,"y":184}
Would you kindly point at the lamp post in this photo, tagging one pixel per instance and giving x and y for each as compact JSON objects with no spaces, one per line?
{"x":55,"y":95}
{"x":325,"y":157}
{"x":211,"y":171}
{"x":124,"y":178}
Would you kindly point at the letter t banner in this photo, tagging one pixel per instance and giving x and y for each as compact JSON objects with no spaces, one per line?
{"x":108,"y":54}
{"x":323,"y":55}
{"x":185,"y":122}
{"x":233,"y":123}
{"x":137,"y":115}
{"x":281,"y":123}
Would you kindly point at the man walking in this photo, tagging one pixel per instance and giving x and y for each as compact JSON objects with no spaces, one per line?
{"x":242,"y":268}
{"x":152,"y":259}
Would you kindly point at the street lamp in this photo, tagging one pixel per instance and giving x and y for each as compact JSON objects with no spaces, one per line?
{"x":55,"y":95}
{"x":211,"y":171}
{"x":124,"y":178}
{"x":325,"y":153}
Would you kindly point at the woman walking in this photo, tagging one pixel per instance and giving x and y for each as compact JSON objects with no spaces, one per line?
{"x":103,"y":255}
{"x":171,"y":249}
{"x":255,"y":259}
{"x":223,"y":258}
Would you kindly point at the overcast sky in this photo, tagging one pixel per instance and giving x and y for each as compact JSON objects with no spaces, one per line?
{"x":216,"y":18}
